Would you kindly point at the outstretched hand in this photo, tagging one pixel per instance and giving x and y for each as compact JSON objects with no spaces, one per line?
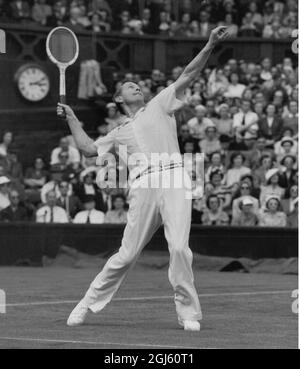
{"x":218,"y":34}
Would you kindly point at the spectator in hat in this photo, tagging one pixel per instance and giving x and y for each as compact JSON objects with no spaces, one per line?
{"x":15,"y":212}
{"x":198,"y":124}
{"x":211,"y":142}
{"x":288,"y":171}
{"x":87,"y":186}
{"x":287,"y":146}
{"x":214,"y":215}
{"x":272,"y":187}
{"x":271,"y":126}
{"x":118,"y":214}
{"x":292,"y":220}
{"x":247,"y":216}
{"x":89,"y":215}
{"x":270,"y":215}
{"x":288,"y":203}
{"x":215,"y":164}
{"x":237,"y":169}
{"x":70,"y":203}
{"x":35,"y":179}
{"x":245,"y":189}
{"x":4,"y":192}
{"x":50,"y":212}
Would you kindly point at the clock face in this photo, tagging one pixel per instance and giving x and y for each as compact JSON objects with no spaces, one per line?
{"x":33,"y":83}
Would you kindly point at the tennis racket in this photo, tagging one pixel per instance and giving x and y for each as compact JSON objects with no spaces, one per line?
{"x":62,"y":49}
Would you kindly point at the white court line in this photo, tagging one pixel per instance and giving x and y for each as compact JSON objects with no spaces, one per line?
{"x":153,"y":298}
{"x":95,"y":343}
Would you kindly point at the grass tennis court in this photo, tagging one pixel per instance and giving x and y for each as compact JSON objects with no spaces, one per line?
{"x":240,"y":311}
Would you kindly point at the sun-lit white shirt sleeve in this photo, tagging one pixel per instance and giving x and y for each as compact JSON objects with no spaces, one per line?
{"x":168,"y":100}
{"x":106,"y":143}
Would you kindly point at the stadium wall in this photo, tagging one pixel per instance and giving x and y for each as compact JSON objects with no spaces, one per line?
{"x":27,"y":243}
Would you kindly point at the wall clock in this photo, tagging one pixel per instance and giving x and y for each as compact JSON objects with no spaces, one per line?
{"x":33,"y":82}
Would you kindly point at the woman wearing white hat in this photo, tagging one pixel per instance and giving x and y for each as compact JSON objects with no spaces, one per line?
{"x":271,"y":216}
{"x":272,"y":188}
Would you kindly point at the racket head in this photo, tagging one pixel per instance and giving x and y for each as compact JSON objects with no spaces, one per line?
{"x":62,"y":47}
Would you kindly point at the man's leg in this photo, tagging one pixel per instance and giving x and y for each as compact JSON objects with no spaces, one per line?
{"x":143,"y":221}
{"x":176,"y":216}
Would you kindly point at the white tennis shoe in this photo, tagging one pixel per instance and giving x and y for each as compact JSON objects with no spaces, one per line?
{"x":78,"y":315}
{"x":191,"y":325}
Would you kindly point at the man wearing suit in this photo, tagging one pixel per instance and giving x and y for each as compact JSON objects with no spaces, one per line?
{"x":15,"y":212}
{"x":90,"y":215}
{"x":271,"y":126}
{"x":88,"y":187}
{"x":70,"y":203}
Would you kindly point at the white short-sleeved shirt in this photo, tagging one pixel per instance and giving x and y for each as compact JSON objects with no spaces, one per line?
{"x":152,"y":130}
{"x":95,"y":217}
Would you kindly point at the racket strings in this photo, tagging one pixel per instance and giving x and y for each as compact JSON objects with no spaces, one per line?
{"x":62,"y":46}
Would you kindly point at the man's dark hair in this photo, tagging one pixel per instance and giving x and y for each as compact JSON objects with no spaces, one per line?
{"x":119,"y":105}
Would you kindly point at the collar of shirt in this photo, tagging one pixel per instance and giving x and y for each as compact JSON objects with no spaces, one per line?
{"x":129,"y":120}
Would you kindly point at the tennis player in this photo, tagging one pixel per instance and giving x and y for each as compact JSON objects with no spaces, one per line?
{"x":149,"y":129}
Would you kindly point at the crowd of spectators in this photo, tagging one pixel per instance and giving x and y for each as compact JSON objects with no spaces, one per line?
{"x":188,"y":18}
{"x":242,"y":116}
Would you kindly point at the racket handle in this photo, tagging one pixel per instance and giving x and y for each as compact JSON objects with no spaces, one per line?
{"x":62,"y":100}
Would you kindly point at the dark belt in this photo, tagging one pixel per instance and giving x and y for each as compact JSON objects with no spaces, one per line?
{"x":159,"y":168}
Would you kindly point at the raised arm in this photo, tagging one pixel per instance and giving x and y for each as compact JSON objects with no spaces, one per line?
{"x":192,"y":71}
{"x":84,"y":143}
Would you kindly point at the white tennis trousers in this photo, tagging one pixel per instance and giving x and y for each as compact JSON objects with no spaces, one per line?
{"x":149,"y":208}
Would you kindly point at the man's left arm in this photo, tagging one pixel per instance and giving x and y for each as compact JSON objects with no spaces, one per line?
{"x":192,"y":71}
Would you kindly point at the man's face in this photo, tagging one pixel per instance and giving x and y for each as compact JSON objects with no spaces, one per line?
{"x":271,"y":110}
{"x":211,"y":133}
{"x":245,"y":189}
{"x":266,"y":64}
{"x":204,"y":17}
{"x":200,"y":113}
{"x":246,"y":106}
{"x":294,"y":107}
{"x":119,"y":203}
{"x":51,"y":199}
{"x":130,"y":94}
{"x":63,"y":188}
{"x":247,"y":209}
{"x":4,"y":188}
{"x":39,"y":164}
{"x":64,"y":144}
{"x":214,"y":204}
{"x":14,"y":198}
{"x":273,"y":205}
{"x":261,"y":143}
{"x":89,"y":206}
{"x":184,"y":132}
